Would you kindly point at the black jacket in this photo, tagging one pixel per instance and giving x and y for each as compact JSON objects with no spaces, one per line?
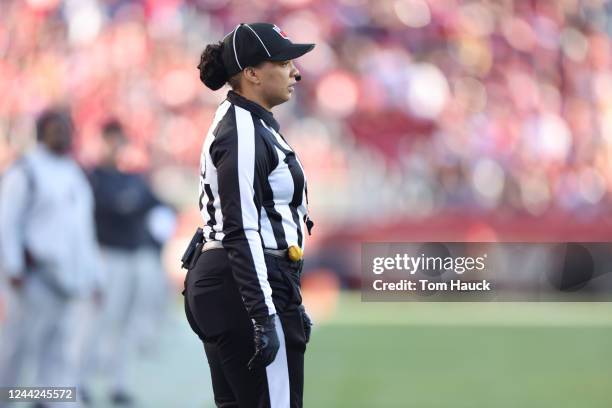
{"x":122,"y":203}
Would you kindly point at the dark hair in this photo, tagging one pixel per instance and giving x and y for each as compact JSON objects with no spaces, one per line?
{"x":47,"y":117}
{"x":212,"y":71}
{"x":112,"y":126}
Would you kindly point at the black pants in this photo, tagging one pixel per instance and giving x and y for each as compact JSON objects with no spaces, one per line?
{"x":217,"y":315}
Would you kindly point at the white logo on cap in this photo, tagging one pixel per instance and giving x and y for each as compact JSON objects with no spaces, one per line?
{"x":280,"y":32}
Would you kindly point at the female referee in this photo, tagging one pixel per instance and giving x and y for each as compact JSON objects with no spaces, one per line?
{"x":242,"y":291}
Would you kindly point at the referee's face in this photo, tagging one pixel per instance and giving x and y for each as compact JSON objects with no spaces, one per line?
{"x":277,"y":81}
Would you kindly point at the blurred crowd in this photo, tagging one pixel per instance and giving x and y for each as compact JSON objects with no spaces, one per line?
{"x":412,"y":107}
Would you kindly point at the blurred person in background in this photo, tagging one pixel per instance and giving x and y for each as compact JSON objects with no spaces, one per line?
{"x":155,"y":287}
{"x":49,"y":257}
{"x":242,"y":295}
{"x":122,"y":203}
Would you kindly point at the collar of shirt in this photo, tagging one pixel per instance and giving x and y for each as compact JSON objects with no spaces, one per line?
{"x":254,"y":108}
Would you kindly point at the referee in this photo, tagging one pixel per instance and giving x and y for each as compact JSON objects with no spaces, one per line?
{"x":242,"y":291}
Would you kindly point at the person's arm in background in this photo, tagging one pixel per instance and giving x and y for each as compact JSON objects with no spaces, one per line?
{"x":89,"y":247}
{"x":14,"y":196}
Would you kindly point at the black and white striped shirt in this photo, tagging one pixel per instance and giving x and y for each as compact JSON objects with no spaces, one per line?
{"x":252,"y":194}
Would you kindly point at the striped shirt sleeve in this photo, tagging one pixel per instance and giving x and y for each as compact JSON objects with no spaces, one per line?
{"x":237,"y":154}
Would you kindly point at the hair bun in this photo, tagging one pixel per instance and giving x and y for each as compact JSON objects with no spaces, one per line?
{"x":212,"y":71}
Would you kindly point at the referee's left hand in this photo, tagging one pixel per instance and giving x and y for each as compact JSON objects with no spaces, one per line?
{"x":266,"y":343}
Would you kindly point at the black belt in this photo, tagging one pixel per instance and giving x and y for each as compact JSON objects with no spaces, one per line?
{"x":280,"y":253}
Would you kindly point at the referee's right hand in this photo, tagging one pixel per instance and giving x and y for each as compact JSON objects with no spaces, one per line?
{"x":266,"y":343}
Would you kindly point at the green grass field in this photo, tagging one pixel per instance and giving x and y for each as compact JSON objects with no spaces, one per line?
{"x":422,"y":355}
{"x":462,"y":355}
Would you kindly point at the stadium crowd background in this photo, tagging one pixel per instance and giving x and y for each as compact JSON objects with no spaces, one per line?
{"x":415,"y":120}
{"x":408,"y":109}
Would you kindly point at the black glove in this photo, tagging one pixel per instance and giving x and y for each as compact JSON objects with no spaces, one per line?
{"x":266,"y":343}
{"x":306,"y":322}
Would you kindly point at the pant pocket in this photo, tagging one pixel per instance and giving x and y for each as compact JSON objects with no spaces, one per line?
{"x":209,"y":273}
{"x":293,"y":328}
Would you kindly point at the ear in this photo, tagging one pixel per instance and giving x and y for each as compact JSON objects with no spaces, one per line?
{"x":251,"y":75}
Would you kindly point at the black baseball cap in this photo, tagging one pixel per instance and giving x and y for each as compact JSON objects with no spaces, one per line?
{"x":249,"y":44}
